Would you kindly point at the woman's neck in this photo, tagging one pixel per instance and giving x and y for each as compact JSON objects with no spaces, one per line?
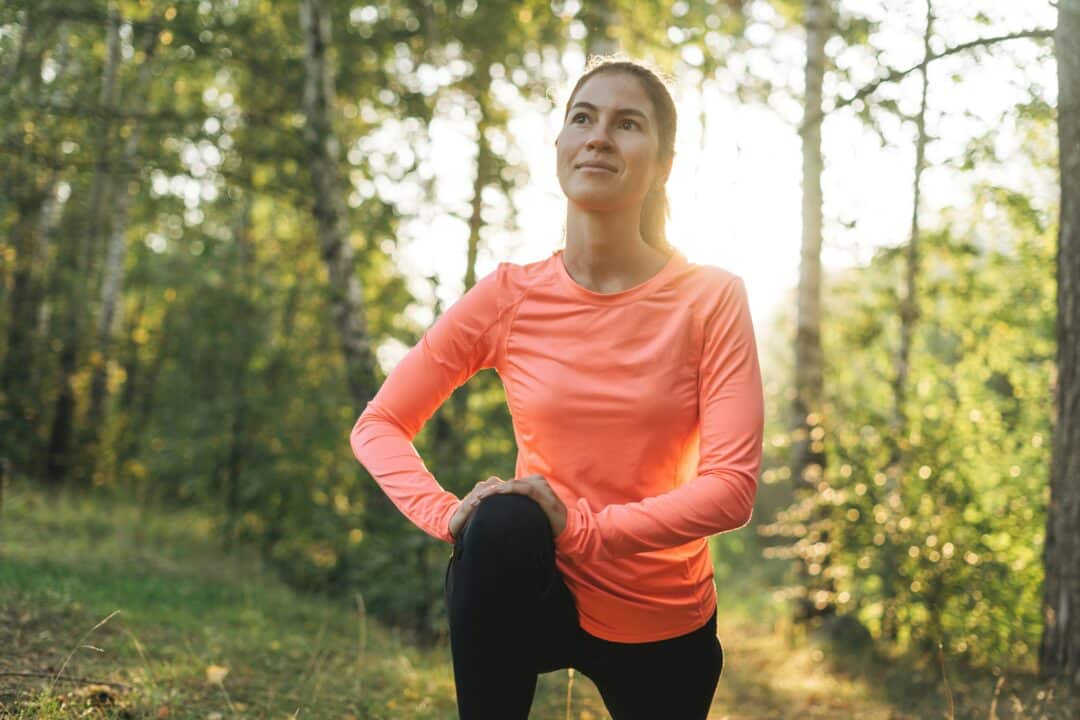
{"x":605,"y":251}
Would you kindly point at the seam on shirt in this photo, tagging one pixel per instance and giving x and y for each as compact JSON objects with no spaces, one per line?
{"x":709,"y":312}
{"x":700,"y":322}
{"x":486,"y":330}
{"x":516,"y":306}
{"x":503,"y":353}
{"x":435,"y":356}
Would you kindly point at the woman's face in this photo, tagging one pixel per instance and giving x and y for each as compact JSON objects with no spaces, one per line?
{"x":607,"y":148}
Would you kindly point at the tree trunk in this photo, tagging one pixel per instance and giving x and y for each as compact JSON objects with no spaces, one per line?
{"x":12,"y":74}
{"x":1059,"y":651}
{"x":484,"y":161}
{"x":76,"y":279}
{"x":346,"y":303}
{"x":102,"y":182}
{"x":29,"y":188}
{"x":807,"y":452}
{"x":909,"y":312}
{"x":113,"y":281}
{"x":17,"y":413}
{"x":330,"y":212}
{"x":909,"y":316}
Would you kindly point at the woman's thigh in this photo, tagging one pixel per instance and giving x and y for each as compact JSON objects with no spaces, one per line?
{"x":674,"y":678}
{"x":560,"y":633}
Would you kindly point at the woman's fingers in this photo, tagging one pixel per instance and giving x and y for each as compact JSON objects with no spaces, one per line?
{"x":533,"y":486}
{"x":470,"y":501}
{"x":537,"y":488}
{"x":521,"y":487}
{"x":482,"y":489}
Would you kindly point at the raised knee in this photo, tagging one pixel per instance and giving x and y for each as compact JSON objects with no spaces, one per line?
{"x":507,"y":519}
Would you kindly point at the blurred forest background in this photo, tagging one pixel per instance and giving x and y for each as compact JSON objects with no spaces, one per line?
{"x":206,"y":205}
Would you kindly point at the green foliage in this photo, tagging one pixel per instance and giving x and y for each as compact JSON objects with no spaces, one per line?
{"x":226,"y":390}
{"x":934,"y":535}
{"x":226,"y":382}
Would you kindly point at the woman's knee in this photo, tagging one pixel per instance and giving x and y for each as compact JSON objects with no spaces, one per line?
{"x":507,"y":520}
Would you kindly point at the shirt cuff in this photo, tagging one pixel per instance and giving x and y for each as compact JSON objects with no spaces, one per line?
{"x":568,"y":542}
{"x":446,"y":536}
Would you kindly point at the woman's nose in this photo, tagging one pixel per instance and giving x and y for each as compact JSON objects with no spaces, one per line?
{"x":598,"y":143}
{"x":598,"y":138}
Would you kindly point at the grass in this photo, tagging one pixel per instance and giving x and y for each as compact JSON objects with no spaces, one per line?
{"x":111,"y":610}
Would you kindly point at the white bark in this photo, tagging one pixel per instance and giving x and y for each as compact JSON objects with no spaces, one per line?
{"x":113,"y":274}
{"x":346,"y":305}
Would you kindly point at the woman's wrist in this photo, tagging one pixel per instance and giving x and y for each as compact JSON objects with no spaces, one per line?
{"x":450,"y":523}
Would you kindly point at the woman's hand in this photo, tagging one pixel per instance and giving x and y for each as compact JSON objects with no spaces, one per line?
{"x":469,"y":503}
{"x":536,"y":487}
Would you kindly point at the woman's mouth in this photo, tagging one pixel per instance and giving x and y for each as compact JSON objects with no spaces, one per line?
{"x":596,"y":167}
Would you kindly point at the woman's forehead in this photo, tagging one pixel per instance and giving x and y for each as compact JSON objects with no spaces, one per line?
{"x":614,"y":90}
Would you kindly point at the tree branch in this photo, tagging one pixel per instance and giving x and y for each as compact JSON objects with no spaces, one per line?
{"x":895,"y":74}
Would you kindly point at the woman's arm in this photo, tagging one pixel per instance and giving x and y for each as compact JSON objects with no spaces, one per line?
{"x":721,"y":497}
{"x":461,"y":342}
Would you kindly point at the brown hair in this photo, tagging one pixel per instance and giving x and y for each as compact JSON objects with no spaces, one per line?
{"x":655,"y":209}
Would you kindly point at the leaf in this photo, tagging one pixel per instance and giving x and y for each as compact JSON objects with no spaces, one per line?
{"x":215,"y":674}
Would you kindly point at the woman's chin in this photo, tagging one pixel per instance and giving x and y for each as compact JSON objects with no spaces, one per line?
{"x":597,"y":201}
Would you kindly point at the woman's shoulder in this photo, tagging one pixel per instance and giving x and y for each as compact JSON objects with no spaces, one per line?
{"x":512,"y":278}
{"x":503,"y":287}
{"x":526,"y":270}
{"x":708,"y":284}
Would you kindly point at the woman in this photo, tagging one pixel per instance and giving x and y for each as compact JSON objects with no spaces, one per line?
{"x":633,"y":381}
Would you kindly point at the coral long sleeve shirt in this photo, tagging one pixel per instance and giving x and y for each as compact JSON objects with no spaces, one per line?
{"x":642,"y":408}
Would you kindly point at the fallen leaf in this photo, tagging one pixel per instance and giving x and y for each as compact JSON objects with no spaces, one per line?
{"x":215,"y":674}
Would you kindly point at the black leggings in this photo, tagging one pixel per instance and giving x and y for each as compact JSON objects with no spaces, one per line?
{"x":512,"y":617}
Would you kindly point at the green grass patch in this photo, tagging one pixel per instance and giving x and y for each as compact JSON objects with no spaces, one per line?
{"x":111,"y":609}
{"x":133,"y":612}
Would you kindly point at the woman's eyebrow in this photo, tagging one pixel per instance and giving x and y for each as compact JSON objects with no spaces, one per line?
{"x":619,"y":111}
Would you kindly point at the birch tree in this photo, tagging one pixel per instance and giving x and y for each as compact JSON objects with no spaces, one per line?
{"x":808,"y":454}
{"x":115,"y":253}
{"x":346,"y":305}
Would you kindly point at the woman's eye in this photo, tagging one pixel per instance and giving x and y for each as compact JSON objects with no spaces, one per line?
{"x":633,"y":123}
{"x":576,"y":117}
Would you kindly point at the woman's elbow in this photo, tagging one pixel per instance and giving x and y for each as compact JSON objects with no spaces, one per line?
{"x":747,"y":515}
{"x":749,"y":496}
{"x":360,"y":428}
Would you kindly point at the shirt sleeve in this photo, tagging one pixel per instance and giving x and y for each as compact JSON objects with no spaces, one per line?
{"x":721,"y":497}
{"x":461,"y":342}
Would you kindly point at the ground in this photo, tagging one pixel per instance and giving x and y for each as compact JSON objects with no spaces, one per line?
{"x":107,"y":610}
